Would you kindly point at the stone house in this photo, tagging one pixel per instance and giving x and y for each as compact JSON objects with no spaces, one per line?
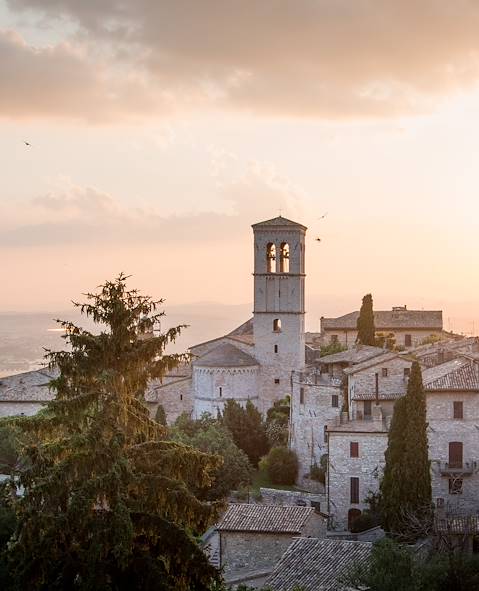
{"x":409,"y":327}
{"x":317,"y":564}
{"x":253,"y":537}
{"x":25,"y":393}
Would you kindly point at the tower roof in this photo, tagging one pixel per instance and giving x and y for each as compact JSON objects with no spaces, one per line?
{"x":225,"y":355}
{"x":279,"y":221}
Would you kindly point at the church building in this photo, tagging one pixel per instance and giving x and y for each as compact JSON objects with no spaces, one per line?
{"x":256,"y":360}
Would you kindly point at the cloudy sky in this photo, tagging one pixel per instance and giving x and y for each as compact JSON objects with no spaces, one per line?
{"x":161,"y":130}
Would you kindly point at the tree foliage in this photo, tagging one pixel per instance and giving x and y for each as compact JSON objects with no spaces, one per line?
{"x":282,"y":465}
{"x":406,"y":484}
{"x":277,"y":422}
{"x":211,"y":436}
{"x":108,"y":502}
{"x":247,"y":428}
{"x":160,"y":415}
{"x":365,"y":322}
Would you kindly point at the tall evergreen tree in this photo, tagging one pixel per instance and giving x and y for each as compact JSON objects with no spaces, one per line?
{"x":365,"y":323}
{"x":248,"y":429}
{"x":406,"y":485}
{"x":107,"y":501}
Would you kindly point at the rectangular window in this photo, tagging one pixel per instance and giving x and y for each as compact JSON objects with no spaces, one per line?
{"x":335,"y":400}
{"x":276,"y":380}
{"x":407,"y":340}
{"x":368,"y":409}
{"x":455,"y":486}
{"x":221,"y":391}
{"x":354,"y":449}
{"x":354,"y":486}
{"x":384,"y":372}
{"x":301,"y":396}
{"x":455,"y":454}
{"x":325,"y":432}
{"x":458,"y":409}
{"x":276,"y":348}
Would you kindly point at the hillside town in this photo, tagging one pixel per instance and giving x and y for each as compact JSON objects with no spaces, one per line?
{"x":341,"y":396}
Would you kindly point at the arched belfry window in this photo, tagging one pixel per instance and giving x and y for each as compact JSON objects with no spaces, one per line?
{"x":271,"y":257}
{"x":284,"y":258}
{"x":277,"y":325}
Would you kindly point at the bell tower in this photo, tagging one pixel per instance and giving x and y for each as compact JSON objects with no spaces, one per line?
{"x":278,"y":316}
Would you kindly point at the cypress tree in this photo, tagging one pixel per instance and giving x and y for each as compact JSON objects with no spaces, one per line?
{"x":107,"y":501}
{"x":406,"y":485}
{"x":365,"y":323}
{"x":247,"y":428}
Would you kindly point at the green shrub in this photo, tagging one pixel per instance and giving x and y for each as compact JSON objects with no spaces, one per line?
{"x":282,"y":465}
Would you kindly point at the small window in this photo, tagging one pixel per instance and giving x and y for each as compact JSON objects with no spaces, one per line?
{"x":354,"y":487}
{"x":181,"y":396}
{"x":221,"y":391}
{"x":354,"y":449}
{"x":368,"y":408}
{"x":325,"y":433}
{"x":407,"y":372}
{"x":334,"y":338}
{"x":277,"y":325}
{"x":384,"y":372}
{"x":276,"y":380}
{"x":455,"y":454}
{"x":455,"y":486}
{"x":271,"y":257}
{"x":407,"y":340}
{"x":458,"y":409}
{"x":335,"y":400}
{"x":276,"y":348}
{"x":284,"y":258}
{"x":301,"y":396}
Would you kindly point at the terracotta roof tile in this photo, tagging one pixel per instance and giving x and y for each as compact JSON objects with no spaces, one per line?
{"x":265,"y":518}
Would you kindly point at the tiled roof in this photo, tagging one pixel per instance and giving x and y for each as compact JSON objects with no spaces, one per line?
{"x":265,"y":518}
{"x":390,"y":387}
{"x":358,"y":426}
{"x":458,"y":374}
{"x":314,"y":564}
{"x":31,"y":386}
{"x":243,"y":329}
{"x":357,"y":354}
{"x":458,"y":525}
{"x":378,"y":359}
{"x":278,"y":221}
{"x":388,"y":320}
{"x":225,"y":355}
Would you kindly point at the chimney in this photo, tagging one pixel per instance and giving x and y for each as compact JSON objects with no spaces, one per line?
{"x":377,"y":388}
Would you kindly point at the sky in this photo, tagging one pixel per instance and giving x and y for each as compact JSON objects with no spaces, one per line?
{"x":160,"y":131}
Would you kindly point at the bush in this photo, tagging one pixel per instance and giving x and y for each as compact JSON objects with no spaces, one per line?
{"x":160,"y":416}
{"x":331,"y":349}
{"x":282,"y":465}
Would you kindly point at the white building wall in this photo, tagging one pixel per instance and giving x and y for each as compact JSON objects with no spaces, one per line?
{"x":241,"y":384}
{"x":368,"y":467}
{"x":443,"y":429}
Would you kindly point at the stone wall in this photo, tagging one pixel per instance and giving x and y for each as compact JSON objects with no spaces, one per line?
{"x":348,"y":337}
{"x":341,"y":467}
{"x":176,"y":397}
{"x":308,"y":421}
{"x":443,"y":429}
{"x":213,"y":386}
{"x":10,"y":409}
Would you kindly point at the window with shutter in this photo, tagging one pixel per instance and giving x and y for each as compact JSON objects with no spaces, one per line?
{"x":455,"y":454}
{"x":354,"y":449}
{"x":354,"y":484}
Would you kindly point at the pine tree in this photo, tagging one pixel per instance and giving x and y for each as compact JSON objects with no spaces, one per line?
{"x":406,"y":485}
{"x":365,"y":323}
{"x":107,"y":501}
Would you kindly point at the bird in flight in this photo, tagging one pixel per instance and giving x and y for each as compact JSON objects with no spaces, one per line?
{"x":27,"y":143}
{"x":323,"y":216}
{"x":318,"y":239}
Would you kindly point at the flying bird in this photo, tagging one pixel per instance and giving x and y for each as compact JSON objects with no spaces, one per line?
{"x":323,"y":216}
{"x":318,"y":239}
{"x":27,"y":143}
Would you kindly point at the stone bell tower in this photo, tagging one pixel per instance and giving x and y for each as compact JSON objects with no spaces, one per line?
{"x":278,"y":322}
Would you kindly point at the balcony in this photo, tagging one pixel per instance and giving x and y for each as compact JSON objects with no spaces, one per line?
{"x":457,"y":468}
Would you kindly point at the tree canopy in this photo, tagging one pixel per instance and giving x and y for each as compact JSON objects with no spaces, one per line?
{"x":108,"y":501}
{"x":247,"y":428}
{"x":406,"y":484}
{"x":365,"y":322}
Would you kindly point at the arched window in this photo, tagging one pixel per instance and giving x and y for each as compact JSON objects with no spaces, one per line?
{"x":271,"y":257}
{"x":284,"y":258}
{"x":277,"y":325}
